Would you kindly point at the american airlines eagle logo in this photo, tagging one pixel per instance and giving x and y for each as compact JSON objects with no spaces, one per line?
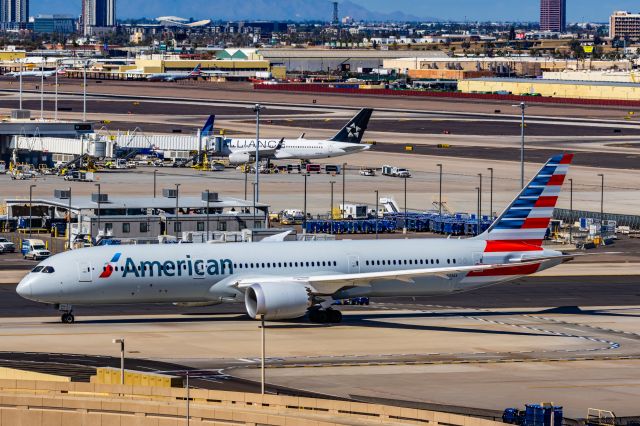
{"x":354,"y":131}
{"x":108,"y":268}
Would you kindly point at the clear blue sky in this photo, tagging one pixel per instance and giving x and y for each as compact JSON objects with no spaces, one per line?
{"x":484,"y":10}
{"x":577,"y":10}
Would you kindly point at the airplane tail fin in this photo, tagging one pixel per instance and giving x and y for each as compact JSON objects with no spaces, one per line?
{"x":197,"y":70}
{"x":527,"y":218}
{"x":207,"y":129}
{"x":354,"y":130}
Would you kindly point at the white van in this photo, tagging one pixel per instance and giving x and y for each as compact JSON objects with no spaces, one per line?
{"x":35,"y":249}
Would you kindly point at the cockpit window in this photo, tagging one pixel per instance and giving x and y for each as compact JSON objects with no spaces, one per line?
{"x":37,"y":269}
{"x":48,"y":270}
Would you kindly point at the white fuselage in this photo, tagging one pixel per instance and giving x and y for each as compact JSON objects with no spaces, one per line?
{"x":208,"y":273}
{"x":289,"y":149}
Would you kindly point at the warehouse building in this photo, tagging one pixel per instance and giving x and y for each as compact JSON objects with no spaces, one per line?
{"x":553,"y":88}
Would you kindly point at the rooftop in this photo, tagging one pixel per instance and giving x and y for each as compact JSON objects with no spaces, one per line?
{"x":550,"y":81}
{"x":115,"y":202}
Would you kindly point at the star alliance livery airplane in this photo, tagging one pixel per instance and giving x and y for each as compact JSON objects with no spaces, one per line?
{"x":346,"y":141}
{"x":286,"y":280}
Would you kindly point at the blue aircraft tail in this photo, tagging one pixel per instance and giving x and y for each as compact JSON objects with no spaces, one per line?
{"x":207,"y":130}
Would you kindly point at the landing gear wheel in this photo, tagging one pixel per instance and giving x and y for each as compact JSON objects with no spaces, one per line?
{"x":67,"y":318}
{"x":334,"y":316}
{"x":318,"y":316}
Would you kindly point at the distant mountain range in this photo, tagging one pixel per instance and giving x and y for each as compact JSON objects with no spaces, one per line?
{"x":296,"y":10}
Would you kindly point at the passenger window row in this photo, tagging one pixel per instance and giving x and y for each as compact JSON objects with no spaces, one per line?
{"x":407,"y":262}
{"x":267,"y":265}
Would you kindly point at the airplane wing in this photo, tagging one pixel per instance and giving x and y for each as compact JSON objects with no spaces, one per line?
{"x":325,"y":285}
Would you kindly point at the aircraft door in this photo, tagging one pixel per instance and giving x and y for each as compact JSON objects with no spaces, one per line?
{"x":85,"y":274}
{"x":353,"y":263}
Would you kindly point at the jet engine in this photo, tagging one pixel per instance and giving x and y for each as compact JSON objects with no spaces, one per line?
{"x":239,"y":157}
{"x":276,"y":301}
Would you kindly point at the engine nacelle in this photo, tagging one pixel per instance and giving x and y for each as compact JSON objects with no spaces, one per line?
{"x":239,"y":157}
{"x":276,"y":301}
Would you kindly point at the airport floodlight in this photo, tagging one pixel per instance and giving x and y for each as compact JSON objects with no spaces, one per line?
{"x":121,"y":343}
{"x":31,"y":208}
{"x":523,"y":107}
{"x":601,"y":175}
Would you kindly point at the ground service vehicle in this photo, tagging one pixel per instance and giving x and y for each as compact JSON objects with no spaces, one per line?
{"x":34,"y":249}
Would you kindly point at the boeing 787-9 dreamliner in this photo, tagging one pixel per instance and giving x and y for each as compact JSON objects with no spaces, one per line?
{"x":286,"y":280}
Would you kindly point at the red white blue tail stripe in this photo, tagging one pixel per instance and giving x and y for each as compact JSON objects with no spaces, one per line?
{"x":527,"y":218}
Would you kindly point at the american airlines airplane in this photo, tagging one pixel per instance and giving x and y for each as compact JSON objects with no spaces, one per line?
{"x":286,"y":280}
{"x":37,"y":73}
{"x":346,"y":141}
{"x":168,"y":76}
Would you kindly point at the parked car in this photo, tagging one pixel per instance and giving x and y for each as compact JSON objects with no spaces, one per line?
{"x":7,"y":246}
{"x":367,"y":172}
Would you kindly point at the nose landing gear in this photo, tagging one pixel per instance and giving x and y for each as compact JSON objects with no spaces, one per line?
{"x":67,"y":318}
{"x":67,"y":314}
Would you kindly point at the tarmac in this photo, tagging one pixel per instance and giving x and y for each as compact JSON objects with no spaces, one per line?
{"x":567,"y":336}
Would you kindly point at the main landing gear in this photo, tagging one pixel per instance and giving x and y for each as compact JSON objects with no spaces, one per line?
{"x":329,"y":315}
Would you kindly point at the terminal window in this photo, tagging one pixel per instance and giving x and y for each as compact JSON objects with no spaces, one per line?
{"x":144,"y":227}
{"x":126,"y":228}
{"x":177,"y":226}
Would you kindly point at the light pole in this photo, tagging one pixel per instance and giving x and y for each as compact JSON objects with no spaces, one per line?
{"x":121,"y":343}
{"x":55,"y":100}
{"x":478,"y":222}
{"x":20,"y":74}
{"x":253,"y":184}
{"x":263,"y":354}
{"x":208,"y":201}
{"x":304,"y":219}
{"x":175,"y":225}
{"x":84,"y":92}
{"x":257,"y":108}
{"x":155,"y":173}
{"x":246,"y":178}
{"x":570,"y":211}
{"x":491,"y":193}
{"x":188,"y":398}
{"x":523,"y":107}
{"x":344,"y":182}
{"x":31,"y":208}
{"x":331,"y":205}
{"x":42,"y":89}
{"x":404,"y":229}
{"x":480,"y":197}
{"x":99,"y":202}
{"x":601,"y":206}
{"x":69,"y":222}
{"x":376,"y":212}
{"x":440,"y":192}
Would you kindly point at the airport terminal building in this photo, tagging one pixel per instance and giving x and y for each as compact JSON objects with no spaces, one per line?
{"x":137,"y":217}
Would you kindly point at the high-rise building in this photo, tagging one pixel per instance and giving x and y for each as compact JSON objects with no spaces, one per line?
{"x":336,"y":16}
{"x":553,"y":15}
{"x":14,"y":11}
{"x":624,"y":25}
{"x":98,"y":14}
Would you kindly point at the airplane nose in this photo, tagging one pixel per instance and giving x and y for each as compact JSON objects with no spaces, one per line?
{"x":24,"y":288}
